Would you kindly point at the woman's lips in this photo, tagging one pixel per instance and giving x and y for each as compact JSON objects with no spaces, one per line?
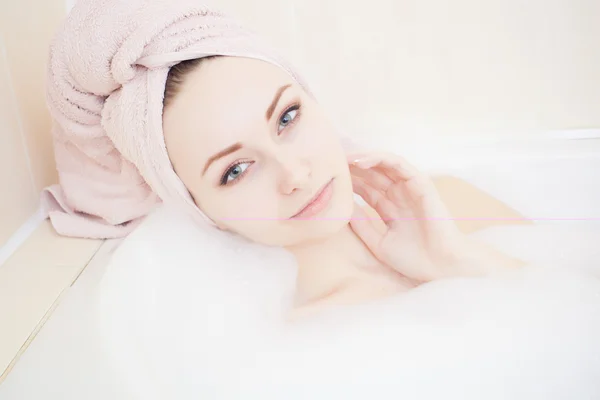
{"x":317,"y":203}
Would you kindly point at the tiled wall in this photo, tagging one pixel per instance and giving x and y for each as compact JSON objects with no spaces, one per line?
{"x":382,"y":67}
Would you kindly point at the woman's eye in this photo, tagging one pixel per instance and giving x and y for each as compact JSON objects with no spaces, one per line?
{"x":234,"y":172}
{"x":287,"y":118}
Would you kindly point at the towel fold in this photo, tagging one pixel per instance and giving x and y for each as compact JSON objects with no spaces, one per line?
{"x":106,"y":78}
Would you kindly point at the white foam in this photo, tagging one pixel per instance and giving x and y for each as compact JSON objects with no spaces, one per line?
{"x":192,"y":313}
{"x":178,"y":301}
{"x":527,"y":335}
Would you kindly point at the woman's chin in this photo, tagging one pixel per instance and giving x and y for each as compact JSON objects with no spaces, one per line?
{"x":333,"y":219}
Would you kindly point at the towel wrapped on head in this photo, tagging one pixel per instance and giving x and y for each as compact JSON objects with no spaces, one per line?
{"x":108,"y":67}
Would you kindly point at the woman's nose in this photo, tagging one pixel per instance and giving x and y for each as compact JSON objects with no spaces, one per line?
{"x":295,"y":173}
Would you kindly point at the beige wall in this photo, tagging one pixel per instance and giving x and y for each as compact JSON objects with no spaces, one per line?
{"x":26,"y":159}
{"x":438,"y":67}
{"x":17,"y":201}
{"x":384,"y":67}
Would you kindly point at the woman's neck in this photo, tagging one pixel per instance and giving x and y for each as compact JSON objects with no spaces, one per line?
{"x":324,"y":267}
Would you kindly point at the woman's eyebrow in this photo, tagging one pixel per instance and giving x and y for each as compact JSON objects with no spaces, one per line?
{"x":276,"y":98}
{"x":237,"y":146}
{"x":222,"y":153}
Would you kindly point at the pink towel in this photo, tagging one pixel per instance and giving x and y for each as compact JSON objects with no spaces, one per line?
{"x":107,"y":72}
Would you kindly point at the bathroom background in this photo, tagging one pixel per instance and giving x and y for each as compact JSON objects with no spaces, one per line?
{"x":426,"y":70}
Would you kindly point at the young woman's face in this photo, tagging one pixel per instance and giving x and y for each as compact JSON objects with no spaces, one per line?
{"x":253,"y":149}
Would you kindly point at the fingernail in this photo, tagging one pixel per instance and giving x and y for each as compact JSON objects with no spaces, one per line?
{"x":358,"y":160}
{"x":365,"y":163}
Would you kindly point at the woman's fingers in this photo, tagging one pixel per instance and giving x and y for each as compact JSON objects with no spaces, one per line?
{"x":394,"y":166}
{"x":375,"y":178}
{"x":432,"y":210}
{"x":419,"y":186}
{"x":399,"y":195}
{"x":365,"y":229}
{"x":374,"y":168}
{"x":387,"y":210}
{"x":411,"y":189}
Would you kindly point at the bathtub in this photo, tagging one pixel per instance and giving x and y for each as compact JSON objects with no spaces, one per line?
{"x":554,"y":181}
{"x":546,"y":178}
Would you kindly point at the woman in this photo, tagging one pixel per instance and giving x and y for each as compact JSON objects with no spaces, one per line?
{"x":236,"y":140}
{"x":268,"y":165}
{"x":166,"y":99}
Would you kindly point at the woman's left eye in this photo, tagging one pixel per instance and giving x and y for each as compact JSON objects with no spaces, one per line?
{"x":288,"y":117}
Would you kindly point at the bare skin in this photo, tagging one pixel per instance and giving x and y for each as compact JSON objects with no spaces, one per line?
{"x":372,"y":280}
{"x":359,"y":279}
{"x":253,"y":148}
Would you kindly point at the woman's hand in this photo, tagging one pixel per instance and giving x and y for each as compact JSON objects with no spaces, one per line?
{"x":420,"y":240}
